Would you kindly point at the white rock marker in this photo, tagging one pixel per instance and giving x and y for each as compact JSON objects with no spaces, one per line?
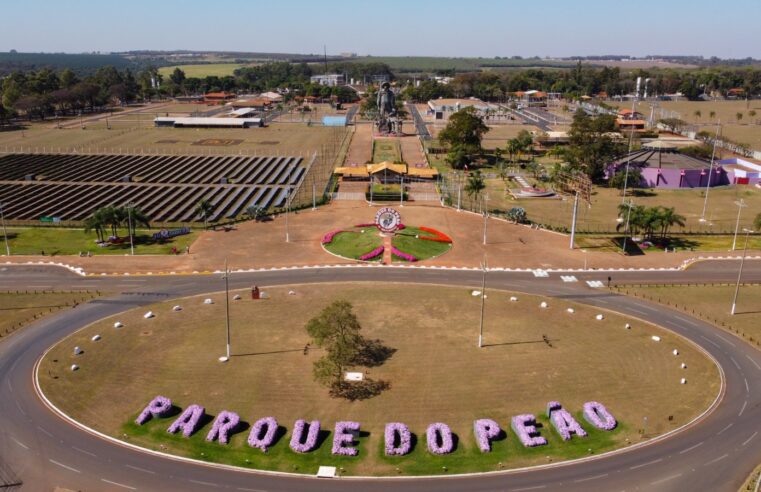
{"x":675,"y":352}
{"x":571,"y":310}
{"x":177,"y":308}
{"x":684,"y":366}
{"x":236,"y":297}
{"x":118,"y":324}
{"x":513,"y":299}
{"x":628,"y":326}
{"x":543,"y":305}
{"x":208,"y":301}
{"x":74,"y":367}
{"x":148,"y":315}
{"x":95,"y":338}
{"x":599,"y":317}
{"x":656,"y":338}
{"x":77,"y":350}
{"x":683,"y":381}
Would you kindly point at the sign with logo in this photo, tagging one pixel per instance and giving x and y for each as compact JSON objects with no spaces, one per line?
{"x":170,"y":233}
{"x":387,"y":219}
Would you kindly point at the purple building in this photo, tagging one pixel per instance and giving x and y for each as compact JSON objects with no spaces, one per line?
{"x":663,"y":167}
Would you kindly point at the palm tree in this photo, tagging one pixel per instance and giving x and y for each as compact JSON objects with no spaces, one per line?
{"x":752,"y":114}
{"x":205,"y":209}
{"x":739,"y":116}
{"x":698,"y":114}
{"x":92,"y":223}
{"x":668,"y":219}
{"x":135,"y":216}
{"x":475,"y":185}
{"x":712,"y":114}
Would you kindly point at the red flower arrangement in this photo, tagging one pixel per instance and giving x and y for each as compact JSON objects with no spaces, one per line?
{"x":438,"y":236}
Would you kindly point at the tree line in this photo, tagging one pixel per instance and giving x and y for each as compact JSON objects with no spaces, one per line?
{"x":586,"y":80}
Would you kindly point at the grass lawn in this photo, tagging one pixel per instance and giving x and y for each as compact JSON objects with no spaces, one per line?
{"x":202,"y":70}
{"x":406,"y":242}
{"x":713,"y":303}
{"x":23,"y":307}
{"x":59,"y":241}
{"x":606,"y":242}
{"x":436,"y":374}
{"x":602,"y":214}
{"x":355,"y":242}
{"x":386,"y":150}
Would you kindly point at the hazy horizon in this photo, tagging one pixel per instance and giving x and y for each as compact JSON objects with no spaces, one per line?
{"x":393,"y":28}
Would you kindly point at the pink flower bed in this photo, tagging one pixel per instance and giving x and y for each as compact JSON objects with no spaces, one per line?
{"x":372,"y":254}
{"x":401,"y":254}
{"x":328,"y":238}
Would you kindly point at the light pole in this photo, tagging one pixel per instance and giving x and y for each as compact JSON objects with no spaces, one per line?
{"x":288,"y":204}
{"x":129,"y":225}
{"x":483,"y":301}
{"x":5,"y":233}
{"x":626,"y":227}
{"x":585,"y":258}
{"x":740,"y":273}
{"x":486,"y":214}
{"x":227,"y":311}
{"x":710,"y":172}
{"x":740,"y":204}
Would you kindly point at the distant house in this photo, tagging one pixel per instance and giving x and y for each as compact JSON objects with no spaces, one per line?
{"x":628,"y":114}
{"x":259,"y":103}
{"x":272,"y":96}
{"x":442,"y":108}
{"x":218,"y":97}
{"x":736,"y":93}
{"x":330,"y":80}
{"x":532,"y":98}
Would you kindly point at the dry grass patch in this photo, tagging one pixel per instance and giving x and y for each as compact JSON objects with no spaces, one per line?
{"x":437,"y":373}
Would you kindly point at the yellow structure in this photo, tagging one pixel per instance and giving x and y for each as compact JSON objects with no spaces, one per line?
{"x":385,"y":168}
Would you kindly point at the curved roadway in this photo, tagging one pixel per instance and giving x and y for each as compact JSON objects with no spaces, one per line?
{"x":43,"y":451}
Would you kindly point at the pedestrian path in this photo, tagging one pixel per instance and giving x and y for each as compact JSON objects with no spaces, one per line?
{"x":387,"y":250}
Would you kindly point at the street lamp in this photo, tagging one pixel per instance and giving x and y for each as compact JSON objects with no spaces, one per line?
{"x":227,"y":311}
{"x":740,"y":205}
{"x":710,"y":172}
{"x":626,"y":227}
{"x":130,"y":206}
{"x":483,"y":300}
{"x":740,"y":273}
{"x":486,"y":214}
{"x":5,"y":233}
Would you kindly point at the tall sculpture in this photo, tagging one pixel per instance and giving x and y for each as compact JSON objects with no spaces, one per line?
{"x":388,"y":121}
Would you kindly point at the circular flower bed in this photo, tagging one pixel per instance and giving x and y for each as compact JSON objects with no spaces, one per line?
{"x":408,"y":245}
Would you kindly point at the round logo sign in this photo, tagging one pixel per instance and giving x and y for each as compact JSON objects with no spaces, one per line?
{"x":387,"y":219}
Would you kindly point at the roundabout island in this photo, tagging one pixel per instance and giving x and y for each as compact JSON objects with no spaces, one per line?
{"x":554,"y":381}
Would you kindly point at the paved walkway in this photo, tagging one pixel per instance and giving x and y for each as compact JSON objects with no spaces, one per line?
{"x":387,"y":257}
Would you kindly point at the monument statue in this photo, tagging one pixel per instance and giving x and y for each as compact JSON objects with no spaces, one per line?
{"x":388,"y":122}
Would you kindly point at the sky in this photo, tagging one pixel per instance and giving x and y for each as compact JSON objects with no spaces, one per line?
{"x":388,"y":27}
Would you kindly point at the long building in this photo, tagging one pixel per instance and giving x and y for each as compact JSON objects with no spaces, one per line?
{"x":199,"y":122}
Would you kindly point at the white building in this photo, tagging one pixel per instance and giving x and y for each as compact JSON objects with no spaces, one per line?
{"x":331,"y":80}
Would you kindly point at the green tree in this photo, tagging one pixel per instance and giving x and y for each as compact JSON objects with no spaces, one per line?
{"x":204,"y":208}
{"x":757,"y":223}
{"x":591,"y":146}
{"x":712,"y":114}
{"x":177,"y":76}
{"x":475,"y":185}
{"x":739,"y":116}
{"x":668,"y":218}
{"x":697,"y":114}
{"x":336,"y":330}
{"x":464,"y":128}
{"x":619,"y":179}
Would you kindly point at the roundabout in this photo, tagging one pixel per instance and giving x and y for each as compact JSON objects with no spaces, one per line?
{"x":697,"y":457}
{"x":536,"y":350}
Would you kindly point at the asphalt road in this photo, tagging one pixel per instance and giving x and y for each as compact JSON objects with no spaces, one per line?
{"x":43,"y":451}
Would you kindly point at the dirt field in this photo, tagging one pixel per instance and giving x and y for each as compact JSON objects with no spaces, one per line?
{"x":277,"y":138}
{"x":203,"y":69}
{"x":436,"y":372}
{"x":747,"y":130}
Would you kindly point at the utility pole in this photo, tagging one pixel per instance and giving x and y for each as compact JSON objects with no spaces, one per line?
{"x":5,"y":232}
{"x":483,"y":301}
{"x":740,"y":273}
